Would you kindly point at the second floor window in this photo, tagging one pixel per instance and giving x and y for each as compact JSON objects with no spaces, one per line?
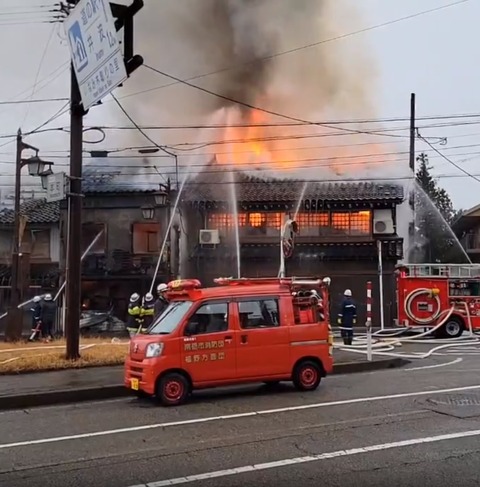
{"x":146,"y":238}
{"x":349,"y":223}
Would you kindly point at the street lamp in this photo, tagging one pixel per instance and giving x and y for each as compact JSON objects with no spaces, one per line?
{"x":148,"y":212}
{"x":161,"y":198}
{"x":36,"y":167}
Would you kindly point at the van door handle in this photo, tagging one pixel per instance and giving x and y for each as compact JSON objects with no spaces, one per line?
{"x":229,"y":337}
{"x":243,"y":339}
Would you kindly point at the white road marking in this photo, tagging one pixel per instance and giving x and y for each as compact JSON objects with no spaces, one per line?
{"x":311,"y":458}
{"x":211,"y":419}
{"x":456,"y":361}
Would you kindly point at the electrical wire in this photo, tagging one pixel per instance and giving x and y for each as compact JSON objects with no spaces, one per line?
{"x":48,"y":79}
{"x":443,"y":156}
{"x":140,"y":130}
{"x":300,"y":48}
{"x":114,"y":150}
{"x":40,"y":64}
{"x":264,"y":110}
{"x":23,"y":102}
{"x":296,"y":124}
{"x":338,"y":180}
{"x":56,"y":115}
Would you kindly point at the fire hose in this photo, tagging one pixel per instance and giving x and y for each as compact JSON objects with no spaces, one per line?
{"x":419,"y":292}
{"x":385,"y":343}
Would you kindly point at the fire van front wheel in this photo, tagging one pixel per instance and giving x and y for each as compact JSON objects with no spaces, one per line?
{"x":173,"y":389}
{"x":307,"y":376}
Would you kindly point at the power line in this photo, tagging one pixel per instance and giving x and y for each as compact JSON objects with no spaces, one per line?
{"x":139,"y":129}
{"x":293,"y":124}
{"x":339,"y":180}
{"x":40,"y":64}
{"x":41,"y":100}
{"x":443,"y":156}
{"x":53,"y":75}
{"x":300,"y":48}
{"x":253,"y":107}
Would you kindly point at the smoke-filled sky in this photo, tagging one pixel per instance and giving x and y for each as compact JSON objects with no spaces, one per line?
{"x":367,"y":75}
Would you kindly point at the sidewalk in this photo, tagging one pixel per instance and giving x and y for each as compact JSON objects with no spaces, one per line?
{"x":97,"y":383}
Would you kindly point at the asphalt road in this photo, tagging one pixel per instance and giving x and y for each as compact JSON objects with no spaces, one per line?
{"x":372,"y":429}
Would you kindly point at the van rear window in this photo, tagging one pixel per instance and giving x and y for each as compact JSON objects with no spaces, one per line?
{"x":170,"y":318}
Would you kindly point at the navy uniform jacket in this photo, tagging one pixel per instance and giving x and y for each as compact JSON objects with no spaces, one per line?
{"x":49,"y":312}
{"x":348,"y":312}
{"x":159,"y":307}
{"x":36,"y":310}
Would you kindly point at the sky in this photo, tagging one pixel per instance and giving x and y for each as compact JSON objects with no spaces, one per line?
{"x":431,"y":55}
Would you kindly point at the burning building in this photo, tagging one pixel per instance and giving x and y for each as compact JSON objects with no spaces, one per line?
{"x":339,"y":225}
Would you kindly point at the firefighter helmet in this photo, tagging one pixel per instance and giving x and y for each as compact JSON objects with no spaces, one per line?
{"x":161,"y":288}
{"x":148,"y":297}
{"x":37,"y":299}
{"x":347,"y":292}
{"x":134,"y":297}
{"x":48,"y":297}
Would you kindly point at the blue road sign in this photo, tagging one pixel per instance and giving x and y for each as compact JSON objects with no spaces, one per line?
{"x":80,"y":58}
{"x":95,"y":50}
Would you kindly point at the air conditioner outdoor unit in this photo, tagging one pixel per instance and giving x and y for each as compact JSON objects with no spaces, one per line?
{"x":209,"y":237}
{"x":383,"y":222}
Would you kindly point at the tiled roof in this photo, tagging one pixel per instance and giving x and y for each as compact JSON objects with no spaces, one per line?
{"x":249,"y":189}
{"x":36,"y":211}
{"x":113,"y":181}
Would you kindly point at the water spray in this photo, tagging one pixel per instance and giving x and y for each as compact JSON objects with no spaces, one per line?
{"x":167,"y":232}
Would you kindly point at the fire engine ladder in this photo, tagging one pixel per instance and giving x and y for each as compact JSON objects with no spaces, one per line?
{"x":443,"y":270}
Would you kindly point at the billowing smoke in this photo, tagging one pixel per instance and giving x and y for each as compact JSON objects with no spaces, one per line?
{"x":241,"y":43}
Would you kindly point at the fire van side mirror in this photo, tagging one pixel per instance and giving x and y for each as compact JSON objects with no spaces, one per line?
{"x":191,"y":328}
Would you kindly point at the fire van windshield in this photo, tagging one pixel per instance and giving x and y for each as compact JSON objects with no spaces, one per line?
{"x":170,"y":318}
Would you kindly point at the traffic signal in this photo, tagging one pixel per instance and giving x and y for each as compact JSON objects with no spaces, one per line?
{"x":124,"y":19}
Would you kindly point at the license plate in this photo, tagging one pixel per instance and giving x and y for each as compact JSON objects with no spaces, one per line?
{"x":134,"y":384}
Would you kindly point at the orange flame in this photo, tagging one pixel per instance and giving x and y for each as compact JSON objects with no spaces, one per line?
{"x":254,"y":141}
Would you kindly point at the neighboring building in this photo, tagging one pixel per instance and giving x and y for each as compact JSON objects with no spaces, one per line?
{"x":40,"y":232}
{"x":467,"y":229}
{"x":133,"y":223}
{"x":340,"y":224}
{"x":40,"y":252}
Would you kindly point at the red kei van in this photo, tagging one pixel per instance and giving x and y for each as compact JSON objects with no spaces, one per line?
{"x":242,"y":330}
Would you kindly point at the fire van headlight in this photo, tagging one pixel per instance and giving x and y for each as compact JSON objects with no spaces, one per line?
{"x":154,"y":350}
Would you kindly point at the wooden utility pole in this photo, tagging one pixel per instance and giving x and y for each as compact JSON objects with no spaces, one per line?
{"x":412,"y":133}
{"x":74,"y":249}
{"x":124,"y":19}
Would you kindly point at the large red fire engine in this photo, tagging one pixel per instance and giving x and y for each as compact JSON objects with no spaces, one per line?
{"x":430,"y":295}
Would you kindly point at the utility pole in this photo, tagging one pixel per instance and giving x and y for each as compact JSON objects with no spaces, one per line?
{"x":36,"y":167}
{"x":14,"y":315}
{"x":74,"y":249}
{"x":412,"y":133}
{"x":411,"y":196}
{"x":124,"y":19}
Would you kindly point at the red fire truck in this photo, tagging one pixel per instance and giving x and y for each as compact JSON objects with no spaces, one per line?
{"x":431,"y":294}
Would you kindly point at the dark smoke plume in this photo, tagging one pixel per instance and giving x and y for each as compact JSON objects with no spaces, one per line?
{"x":239,"y":41}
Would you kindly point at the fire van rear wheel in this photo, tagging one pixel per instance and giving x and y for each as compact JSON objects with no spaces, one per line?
{"x":173,"y":389}
{"x":453,"y":328}
{"x":307,"y":376}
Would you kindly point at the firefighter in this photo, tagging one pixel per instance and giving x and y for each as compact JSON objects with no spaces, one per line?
{"x":36,"y":310}
{"x":47,"y":316}
{"x":347,"y":317}
{"x":319,"y":301}
{"x":161,"y":303}
{"x":134,"y":320}
{"x":148,"y":310}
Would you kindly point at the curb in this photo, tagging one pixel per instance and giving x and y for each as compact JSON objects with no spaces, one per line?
{"x":355,"y":367}
{"x":27,"y":401}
